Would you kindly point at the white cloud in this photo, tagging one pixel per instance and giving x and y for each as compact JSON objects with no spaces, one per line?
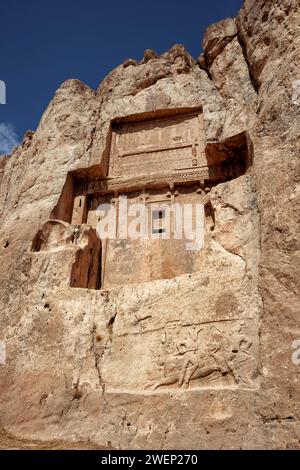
{"x":8,"y":138}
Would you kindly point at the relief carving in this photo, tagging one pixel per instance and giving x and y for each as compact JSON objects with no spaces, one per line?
{"x":159,"y":144}
{"x":189,"y":354}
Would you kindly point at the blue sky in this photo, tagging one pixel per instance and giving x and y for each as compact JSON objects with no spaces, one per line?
{"x":43,"y":43}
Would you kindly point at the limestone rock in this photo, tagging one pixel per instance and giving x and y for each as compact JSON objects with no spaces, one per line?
{"x":3,"y":161}
{"x":202,"y":62}
{"x":230,"y":75}
{"x":148,"y":55}
{"x":270,"y":39}
{"x":217,"y":36}
{"x":200,"y":359}
{"x":129,"y":62}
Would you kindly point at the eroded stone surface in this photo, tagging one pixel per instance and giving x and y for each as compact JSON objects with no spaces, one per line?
{"x":198,"y":360}
{"x":217,"y":36}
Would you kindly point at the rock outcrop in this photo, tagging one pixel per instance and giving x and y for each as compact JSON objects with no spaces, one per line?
{"x":78,"y":359}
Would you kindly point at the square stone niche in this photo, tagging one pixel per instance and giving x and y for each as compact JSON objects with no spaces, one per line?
{"x":157,"y":158}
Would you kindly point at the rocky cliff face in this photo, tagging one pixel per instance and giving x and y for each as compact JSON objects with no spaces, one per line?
{"x":68,"y":374}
